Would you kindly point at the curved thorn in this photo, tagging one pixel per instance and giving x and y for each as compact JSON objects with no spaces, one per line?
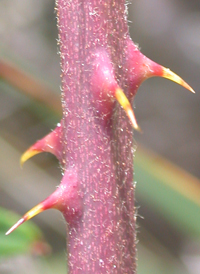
{"x":124,"y":102}
{"x":168,"y":74}
{"x":50,"y":143}
{"x":27,"y":155}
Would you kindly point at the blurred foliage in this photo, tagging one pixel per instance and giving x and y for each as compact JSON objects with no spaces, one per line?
{"x":171,"y":191}
{"x":24,"y":240}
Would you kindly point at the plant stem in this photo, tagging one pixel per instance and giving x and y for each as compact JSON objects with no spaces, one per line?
{"x":100,"y":151}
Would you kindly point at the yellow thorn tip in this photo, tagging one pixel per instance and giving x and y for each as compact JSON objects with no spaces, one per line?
{"x":168,"y":74}
{"x":27,"y":155}
{"x":30,"y":214}
{"x":34,"y":211}
{"x":124,"y":102}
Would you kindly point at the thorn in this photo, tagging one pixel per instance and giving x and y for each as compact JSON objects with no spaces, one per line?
{"x":168,"y":74}
{"x":28,"y":154}
{"x":30,"y":214}
{"x":65,"y":198}
{"x":21,"y":221}
{"x":50,"y":143}
{"x":142,"y":68}
{"x":124,"y":102}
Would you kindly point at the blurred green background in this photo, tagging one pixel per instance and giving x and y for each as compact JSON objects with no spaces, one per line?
{"x":167,"y":197}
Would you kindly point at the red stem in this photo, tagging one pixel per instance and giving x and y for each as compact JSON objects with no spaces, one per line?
{"x":99,"y":150}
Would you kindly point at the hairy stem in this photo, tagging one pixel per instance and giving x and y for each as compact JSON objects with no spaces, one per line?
{"x":98,"y":148}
